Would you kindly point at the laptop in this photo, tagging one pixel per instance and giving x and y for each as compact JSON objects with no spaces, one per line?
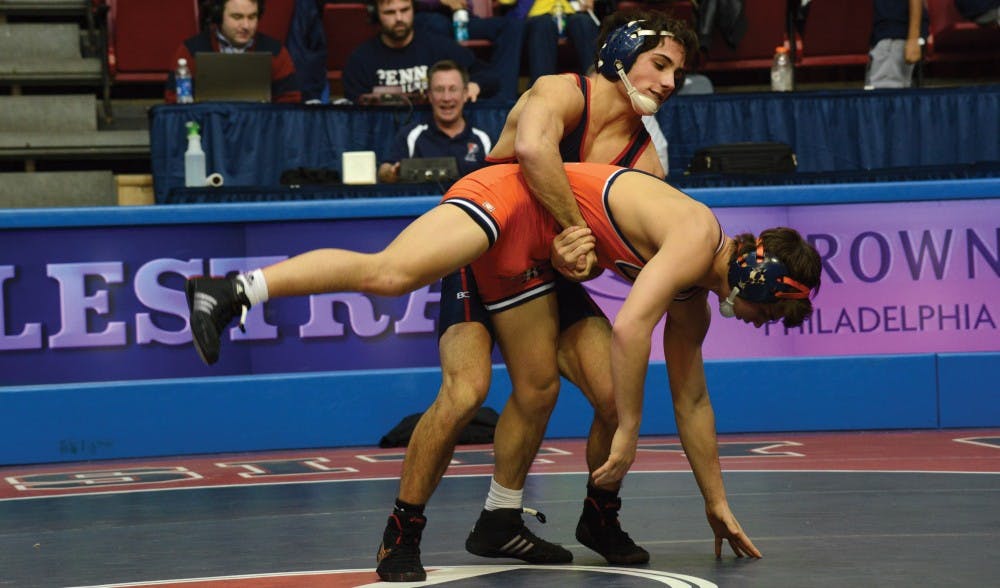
{"x":242,"y":77}
{"x":428,"y":169}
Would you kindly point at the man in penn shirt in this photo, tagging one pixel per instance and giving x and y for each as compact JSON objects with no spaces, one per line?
{"x":234,"y":30}
{"x":400,"y":56}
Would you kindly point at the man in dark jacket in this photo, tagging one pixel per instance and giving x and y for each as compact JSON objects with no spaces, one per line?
{"x":306,"y":43}
{"x":400,"y":56}
{"x":234,"y":30}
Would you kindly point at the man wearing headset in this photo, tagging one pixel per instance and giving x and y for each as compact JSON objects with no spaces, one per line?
{"x":561,"y":118}
{"x":401,"y":54}
{"x":233,"y":29}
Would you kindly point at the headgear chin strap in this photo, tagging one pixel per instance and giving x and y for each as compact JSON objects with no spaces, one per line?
{"x":618,"y":55}
{"x":642,"y":105}
{"x":726,"y":307}
{"x":757,"y":277}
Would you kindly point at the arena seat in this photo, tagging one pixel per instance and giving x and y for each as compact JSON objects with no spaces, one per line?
{"x":765,"y":31}
{"x":681,"y":9}
{"x":277,"y":18}
{"x":956,"y":39}
{"x":143,"y":36}
{"x":346,"y":26}
{"x":836,"y":33}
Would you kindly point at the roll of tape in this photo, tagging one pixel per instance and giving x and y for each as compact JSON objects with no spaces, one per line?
{"x":214,"y":180}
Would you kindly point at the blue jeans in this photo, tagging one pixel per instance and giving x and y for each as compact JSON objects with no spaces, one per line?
{"x":506,"y":34}
{"x":542,"y":43}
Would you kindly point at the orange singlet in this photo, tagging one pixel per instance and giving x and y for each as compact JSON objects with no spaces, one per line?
{"x":517,"y":267}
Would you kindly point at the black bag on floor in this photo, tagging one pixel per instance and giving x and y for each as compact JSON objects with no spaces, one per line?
{"x":480,"y":430}
{"x":744,"y":158}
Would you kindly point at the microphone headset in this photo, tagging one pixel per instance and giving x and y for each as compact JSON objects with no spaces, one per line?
{"x":726,"y":308}
{"x":618,"y":55}
{"x":756,"y":276}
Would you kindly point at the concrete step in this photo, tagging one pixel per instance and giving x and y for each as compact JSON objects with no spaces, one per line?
{"x":57,"y":189}
{"x":39,"y":41}
{"x":80,"y":145}
{"x":44,"y":7}
{"x":60,"y":113}
{"x":50,"y":71}
{"x":62,"y":127}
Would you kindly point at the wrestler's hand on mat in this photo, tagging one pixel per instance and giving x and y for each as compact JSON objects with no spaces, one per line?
{"x":573,"y":254}
{"x":725,"y":526}
{"x":620,"y":459}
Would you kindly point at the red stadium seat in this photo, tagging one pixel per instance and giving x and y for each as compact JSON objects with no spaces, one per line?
{"x":346,"y":26}
{"x":765,"y":31}
{"x":277,"y":19}
{"x":837,"y":32}
{"x":955,"y":39}
{"x":681,"y":9}
{"x":143,"y":37}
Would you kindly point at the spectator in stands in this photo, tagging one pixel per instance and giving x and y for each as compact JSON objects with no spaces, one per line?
{"x":400,"y":56}
{"x":233,"y":29}
{"x":542,"y":33}
{"x":448,"y":134}
{"x":898,"y":33}
{"x":307,"y":45}
{"x":982,"y":12}
{"x":506,"y":35}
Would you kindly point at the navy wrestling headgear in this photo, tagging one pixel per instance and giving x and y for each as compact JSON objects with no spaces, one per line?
{"x":618,"y":55}
{"x":757,"y":277}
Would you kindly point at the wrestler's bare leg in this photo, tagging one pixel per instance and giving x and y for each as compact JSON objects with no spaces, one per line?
{"x":466,"y":370}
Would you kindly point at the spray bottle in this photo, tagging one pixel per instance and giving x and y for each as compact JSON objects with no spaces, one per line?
{"x":194,"y":158}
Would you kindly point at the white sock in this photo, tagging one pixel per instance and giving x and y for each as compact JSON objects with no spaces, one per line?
{"x":500,"y":497}
{"x":254,"y":286}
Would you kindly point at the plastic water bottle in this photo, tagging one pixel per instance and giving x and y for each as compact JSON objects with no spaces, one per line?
{"x":194,"y":158}
{"x":559,"y":14}
{"x":182,"y":76}
{"x":781,"y":71}
{"x":460,"y":20}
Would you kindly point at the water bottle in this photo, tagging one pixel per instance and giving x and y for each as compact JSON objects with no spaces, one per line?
{"x":194,"y":158}
{"x":559,"y":15}
{"x":182,"y":76}
{"x":460,"y":20}
{"x":781,"y":71}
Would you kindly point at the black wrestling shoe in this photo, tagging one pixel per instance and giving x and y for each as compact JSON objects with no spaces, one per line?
{"x":213,"y":303}
{"x":600,"y":530}
{"x":502,"y":533}
{"x":399,"y":554}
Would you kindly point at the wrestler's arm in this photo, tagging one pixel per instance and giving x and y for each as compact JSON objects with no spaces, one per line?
{"x":543,"y":118}
{"x":655,"y":287}
{"x":544,"y":113}
{"x":685,"y":330}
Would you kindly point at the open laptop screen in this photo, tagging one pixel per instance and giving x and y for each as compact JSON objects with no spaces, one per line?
{"x":232,"y":76}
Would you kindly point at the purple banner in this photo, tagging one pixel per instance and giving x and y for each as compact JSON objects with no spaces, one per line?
{"x":907,"y":277}
{"x":107,"y":303}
